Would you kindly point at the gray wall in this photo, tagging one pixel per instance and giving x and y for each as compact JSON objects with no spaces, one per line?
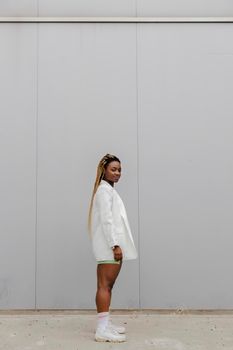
{"x":116,"y":8}
{"x":185,"y":165}
{"x":158,"y":96}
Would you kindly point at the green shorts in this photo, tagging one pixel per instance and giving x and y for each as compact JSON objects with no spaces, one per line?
{"x":108,"y":262}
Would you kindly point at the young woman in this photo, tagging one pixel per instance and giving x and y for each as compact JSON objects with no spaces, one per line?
{"x":112,"y":242}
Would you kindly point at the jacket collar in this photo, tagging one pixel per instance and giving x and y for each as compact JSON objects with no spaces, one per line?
{"x":103,"y":182}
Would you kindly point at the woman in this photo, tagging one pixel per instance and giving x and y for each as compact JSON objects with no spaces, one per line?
{"x":112,"y":242}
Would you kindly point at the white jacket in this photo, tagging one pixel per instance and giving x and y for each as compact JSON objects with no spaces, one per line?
{"x":110,"y":225}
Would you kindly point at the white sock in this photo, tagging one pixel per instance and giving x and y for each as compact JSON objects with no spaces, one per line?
{"x":102,"y":319}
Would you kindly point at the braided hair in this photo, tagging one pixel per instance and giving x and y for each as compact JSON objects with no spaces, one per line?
{"x":108,"y":158}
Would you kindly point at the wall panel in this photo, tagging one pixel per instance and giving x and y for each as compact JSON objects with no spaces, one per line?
{"x":17,"y":8}
{"x":87,"y":8}
{"x":18,"y":165}
{"x":179,"y":8}
{"x":87,"y":107}
{"x":185,"y":165}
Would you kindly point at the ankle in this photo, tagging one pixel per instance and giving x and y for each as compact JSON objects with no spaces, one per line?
{"x":102,"y":319}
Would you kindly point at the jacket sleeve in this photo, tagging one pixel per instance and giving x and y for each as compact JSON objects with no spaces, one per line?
{"x":104,"y":200}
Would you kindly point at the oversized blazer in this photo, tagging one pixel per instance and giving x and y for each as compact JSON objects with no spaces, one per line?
{"x":110,"y":225}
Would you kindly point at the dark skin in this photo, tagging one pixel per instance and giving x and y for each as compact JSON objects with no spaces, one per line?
{"x":107,"y":273}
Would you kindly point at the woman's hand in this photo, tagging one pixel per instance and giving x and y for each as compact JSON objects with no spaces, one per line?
{"x":117,"y":253}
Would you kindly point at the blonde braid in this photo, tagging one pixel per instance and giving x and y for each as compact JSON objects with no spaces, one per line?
{"x":99,"y":176}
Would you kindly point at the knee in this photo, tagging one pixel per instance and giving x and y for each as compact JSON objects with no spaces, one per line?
{"x":105,"y":288}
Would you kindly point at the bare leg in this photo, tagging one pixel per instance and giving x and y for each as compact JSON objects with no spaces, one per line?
{"x":106,"y":277}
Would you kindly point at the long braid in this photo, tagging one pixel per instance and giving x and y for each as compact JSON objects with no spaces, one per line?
{"x":108,"y":158}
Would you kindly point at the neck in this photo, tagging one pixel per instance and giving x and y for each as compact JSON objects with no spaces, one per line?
{"x":110,"y":182}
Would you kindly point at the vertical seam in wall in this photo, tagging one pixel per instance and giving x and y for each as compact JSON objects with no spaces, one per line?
{"x":36,"y":214}
{"x":137,"y":102}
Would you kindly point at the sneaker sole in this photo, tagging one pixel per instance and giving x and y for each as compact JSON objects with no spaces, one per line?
{"x":102,"y":340}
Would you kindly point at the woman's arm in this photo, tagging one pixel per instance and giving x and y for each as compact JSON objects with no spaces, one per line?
{"x":104,"y":198}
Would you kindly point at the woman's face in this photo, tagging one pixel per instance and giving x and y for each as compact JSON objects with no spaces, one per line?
{"x":113,"y":172}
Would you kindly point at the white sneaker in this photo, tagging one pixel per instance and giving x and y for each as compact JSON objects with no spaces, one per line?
{"x":109,"y":334}
{"x":119,"y":329}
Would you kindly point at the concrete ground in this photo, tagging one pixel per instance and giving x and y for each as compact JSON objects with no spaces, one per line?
{"x":68,"y":330}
